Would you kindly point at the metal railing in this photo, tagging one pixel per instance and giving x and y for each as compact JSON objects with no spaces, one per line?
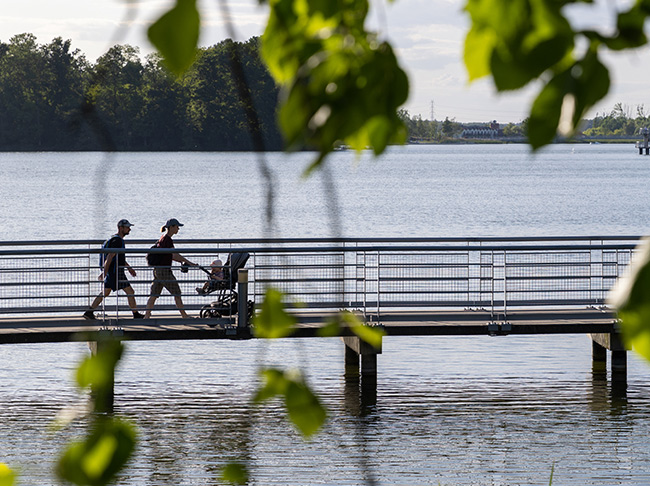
{"x":371,"y":275}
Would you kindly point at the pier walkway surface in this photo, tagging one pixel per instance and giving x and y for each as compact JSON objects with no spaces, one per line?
{"x":409,"y":286}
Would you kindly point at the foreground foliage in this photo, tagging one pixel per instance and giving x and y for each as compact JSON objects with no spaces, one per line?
{"x":96,"y":459}
{"x":521,"y":41}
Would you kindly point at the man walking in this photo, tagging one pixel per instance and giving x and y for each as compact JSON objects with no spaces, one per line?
{"x":113,"y":273}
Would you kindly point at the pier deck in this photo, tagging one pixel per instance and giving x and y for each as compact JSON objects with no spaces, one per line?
{"x":405,"y":323}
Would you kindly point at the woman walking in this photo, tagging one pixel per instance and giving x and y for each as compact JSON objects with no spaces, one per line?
{"x":162,"y":272}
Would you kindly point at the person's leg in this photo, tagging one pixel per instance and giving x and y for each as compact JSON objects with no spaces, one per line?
{"x":175,"y":289}
{"x":130,"y":296}
{"x":156,"y":288}
{"x":150,"y":303}
{"x":181,"y":307}
{"x":98,"y":300}
{"x":101,"y":296}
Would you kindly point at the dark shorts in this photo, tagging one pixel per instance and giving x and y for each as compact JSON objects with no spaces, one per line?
{"x":116,"y":280}
{"x":163,"y":278}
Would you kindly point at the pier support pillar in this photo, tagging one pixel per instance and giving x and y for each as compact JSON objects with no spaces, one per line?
{"x":367,"y":353}
{"x":618,"y":358}
{"x":360,"y":375}
{"x":598,"y":352}
{"x":351,"y":363}
{"x":103,"y":396}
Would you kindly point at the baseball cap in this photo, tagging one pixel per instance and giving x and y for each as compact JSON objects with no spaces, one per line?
{"x":123,"y":222}
{"x":173,"y":222}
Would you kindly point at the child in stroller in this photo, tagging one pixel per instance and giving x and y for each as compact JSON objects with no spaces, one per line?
{"x":216,"y":278}
{"x":222,"y":278}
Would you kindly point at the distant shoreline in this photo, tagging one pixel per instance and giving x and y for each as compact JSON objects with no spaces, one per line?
{"x":525,"y":142}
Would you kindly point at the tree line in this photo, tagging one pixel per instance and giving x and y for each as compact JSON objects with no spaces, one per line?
{"x":622,"y":122}
{"x":53,"y":98}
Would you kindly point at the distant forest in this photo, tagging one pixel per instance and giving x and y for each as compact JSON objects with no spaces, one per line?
{"x":53,"y":99}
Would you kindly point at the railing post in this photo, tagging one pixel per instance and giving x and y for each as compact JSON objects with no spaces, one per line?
{"x":242,"y":298}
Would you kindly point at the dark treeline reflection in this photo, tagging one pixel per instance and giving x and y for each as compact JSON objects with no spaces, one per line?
{"x":53,"y":98}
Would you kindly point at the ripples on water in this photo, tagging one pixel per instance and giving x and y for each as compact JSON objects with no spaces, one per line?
{"x":447,"y":411}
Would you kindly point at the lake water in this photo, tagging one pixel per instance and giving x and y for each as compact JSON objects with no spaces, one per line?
{"x":448,"y":410}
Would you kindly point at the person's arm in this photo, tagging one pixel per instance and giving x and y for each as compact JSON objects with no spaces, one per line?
{"x":130,"y":268}
{"x":107,"y":265}
{"x":177,"y":257}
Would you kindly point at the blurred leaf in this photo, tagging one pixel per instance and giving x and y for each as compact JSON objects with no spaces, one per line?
{"x":304,"y":408}
{"x":371,"y":335}
{"x":234,"y":473}
{"x":479,"y":44}
{"x":340,"y":85}
{"x":98,"y":369}
{"x":546,"y":110}
{"x":631,"y":297}
{"x":274,"y":384}
{"x":96,"y":460}
{"x":176,"y":35}
{"x":585,"y":81}
{"x":330,"y":329}
{"x":7,"y":476}
{"x":273,"y":321}
{"x":591,"y":83}
{"x":516,"y":40}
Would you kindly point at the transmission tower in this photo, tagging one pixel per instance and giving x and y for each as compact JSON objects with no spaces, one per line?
{"x":432,"y":111}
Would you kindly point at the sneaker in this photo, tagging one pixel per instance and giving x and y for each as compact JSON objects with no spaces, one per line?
{"x":90,"y":315}
{"x":200,"y":290}
{"x":137,"y":315}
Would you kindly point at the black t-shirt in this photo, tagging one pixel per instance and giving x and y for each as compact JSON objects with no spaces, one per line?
{"x":117,"y":241}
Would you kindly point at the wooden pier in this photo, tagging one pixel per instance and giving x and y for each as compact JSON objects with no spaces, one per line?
{"x":409,"y":287}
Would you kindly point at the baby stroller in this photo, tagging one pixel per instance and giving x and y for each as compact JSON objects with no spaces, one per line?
{"x":226,"y":302}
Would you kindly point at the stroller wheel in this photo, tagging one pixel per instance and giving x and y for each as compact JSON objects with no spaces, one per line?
{"x":207,"y":312}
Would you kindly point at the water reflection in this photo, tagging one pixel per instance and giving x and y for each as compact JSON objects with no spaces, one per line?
{"x":414,"y":425}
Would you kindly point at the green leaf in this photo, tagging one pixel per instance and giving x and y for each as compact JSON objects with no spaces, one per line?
{"x":330,"y":329}
{"x":176,"y":35}
{"x":516,"y":41}
{"x":234,"y":473}
{"x":7,"y":476}
{"x":274,"y":384}
{"x":98,"y":369}
{"x":96,"y":460}
{"x":630,"y":297}
{"x":546,"y":111}
{"x":339,"y":83}
{"x":479,"y":44}
{"x":591,"y":79}
{"x":371,"y":335}
{"x":304,"y":408}
{"x":273,"y":321}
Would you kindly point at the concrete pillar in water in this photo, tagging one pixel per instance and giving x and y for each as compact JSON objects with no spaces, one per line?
{"x":614,"y":343}
{"x":367,"y":352}
{"x":360,"y":381}
{"x":598,"y":358}
{"x":351,"y":362}
{"x":104,"y":396}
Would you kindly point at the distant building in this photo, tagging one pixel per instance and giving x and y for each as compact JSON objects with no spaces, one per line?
{"x":490,"y":130}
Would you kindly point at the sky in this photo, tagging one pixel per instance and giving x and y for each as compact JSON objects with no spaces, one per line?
{"x":427,"y":35}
